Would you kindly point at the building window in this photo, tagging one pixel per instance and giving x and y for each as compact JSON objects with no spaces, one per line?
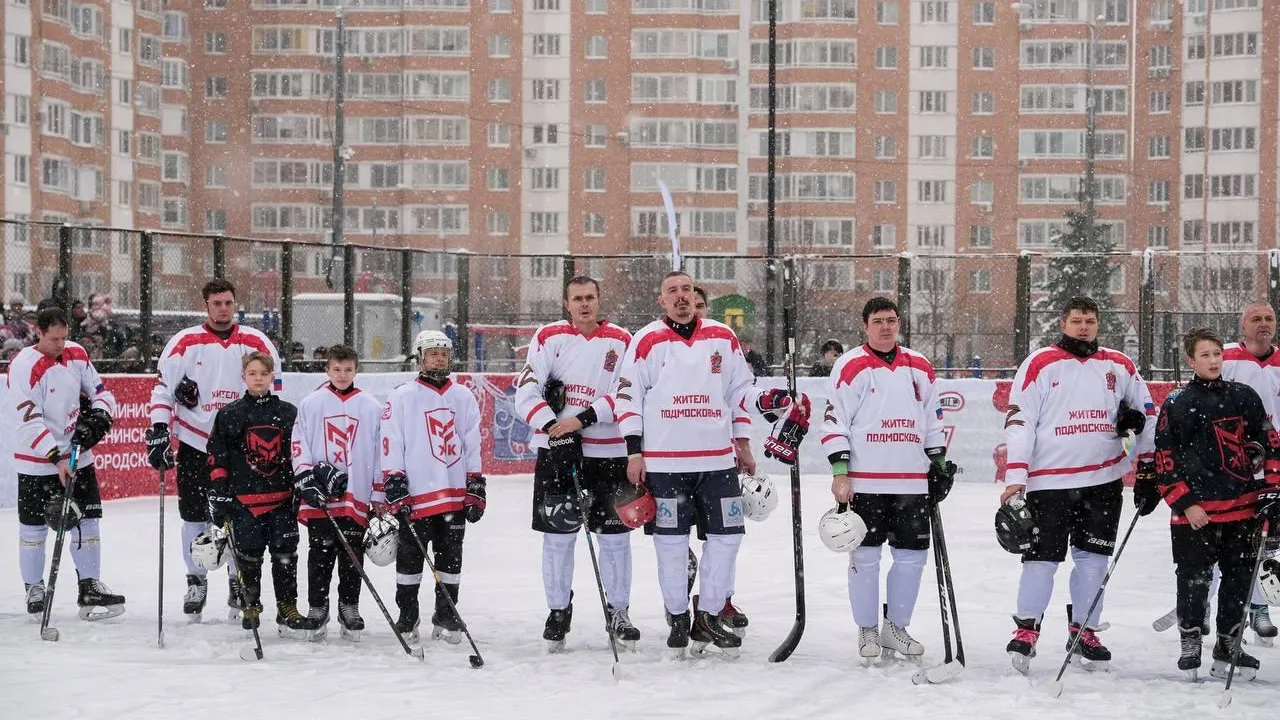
{"x":594,"y":180}
{"x":981,"y":236}
{"x":887,"y":12}
{"x":593,"y":224}
{"x":499,"y":6}
{"x":215,"y":87}
{"x":933,"y":101}
{"x":215,"y":131}
{"x":499,"y":135}
{"x":595,"y":91}
{"x":499,"y":90}
{"x":215,"y":43}
{"x":886,"y":102}
{"x":886,"y":147}
{"x":984,"y":13}
{"x":884,"y":237}
{"x":886,"y":57}
{"x":984,"y":103}
{"x":593,"y":136}
{"x":1158,"y":147}
{"x":982,"y":147}
{"x":1158,"y":102}
{"x":980,"y":281}
{"x":499,"y":223}
{"x":215,"y":220}
{"x":885,"y":192}
{"x":984,"y":58}
{"x":499,"y":46}
{"x":1158,"y":236}
{"x":982,"y":192}
{"x":499,"y":179}
{"x":597,"y":47}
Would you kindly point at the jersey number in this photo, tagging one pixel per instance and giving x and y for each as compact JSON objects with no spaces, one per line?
{"x":1164,"y":461}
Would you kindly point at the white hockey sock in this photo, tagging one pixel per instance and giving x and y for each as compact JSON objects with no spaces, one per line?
{"x":1035,"y":588}
{"x":31,"y":539}
{"x":902,"y":584}
{"x":1086,"y":577}
{"x":864,"y":585}
{"x":189,"y":532}
{"x":733,"y":578}
{"x":673,"y":571}
{"x":1258,"y":598}
{"x":86,"y":552}
{"x":719,"y":555}
{"x":557,"y":568}
{"x":615,"y":568}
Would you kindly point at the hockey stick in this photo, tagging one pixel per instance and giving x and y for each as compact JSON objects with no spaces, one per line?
{"x":1057,"y":687}
{"x":46,"y":632}
{"x":1238,"y":640}
{"x":160,"y":579}
{"x":616,"y":671}
{"x":475,"y":659}
{"x":792,"y":640}
{"x":355,"y":560}
{"x":951,"y":666}
{"x":246,"y":653}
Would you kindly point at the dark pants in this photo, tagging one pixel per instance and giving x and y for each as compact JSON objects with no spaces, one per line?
{"x":324,"y":551}
{"x":1087,"y":518}
{"x":1233,"y":546}
{"x":35,"y":492}
{"x":277,"y":530}
{"x":902,"y":520}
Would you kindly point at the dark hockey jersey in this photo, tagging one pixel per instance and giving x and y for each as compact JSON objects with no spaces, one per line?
{"x":250,"y":451}
{"x":1201,"y":456}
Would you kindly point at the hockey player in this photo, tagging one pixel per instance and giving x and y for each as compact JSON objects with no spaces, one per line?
{"x":882,"y":432}
{"x":431,"y":474}
{"x":200,"y":371}
{"x":578,"y":360}
{"x":59,"y":401}
{"x":681,"y":381}
{"x":251,"y":493}
{"x":1069,"y":408}
{"x":336,"y":461}
{"x":1209,"y":439}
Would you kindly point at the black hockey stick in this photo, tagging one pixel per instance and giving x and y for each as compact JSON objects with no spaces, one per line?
{"x":1238,"y":640}
{"x":160,"y":580}
{"x":255,"y":652}
{"x":46,"y":632}
{"x":792,"y":640}
{"x":951,"y":666}
{"x":595,"y":567}
{"x":355,"y":560}
{"x":475,"y":659}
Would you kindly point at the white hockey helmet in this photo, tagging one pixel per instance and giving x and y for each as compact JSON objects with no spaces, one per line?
{"x":209,"y":550}
{"x":429,"y":340}
{"x":1269,"y":581}
{"x":759,"y":498}
{"x":381,"y":541}
{"x":841,"y":531}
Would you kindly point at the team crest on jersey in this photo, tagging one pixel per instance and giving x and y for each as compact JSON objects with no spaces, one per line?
{"x":263,"y":446}
{"x":442,"y":436}
{"x":1111,"y":382}
{"x":610,"y":360}
{"x":716,"y":362}
{"x":1230,"y":435}
{"x":339,"y":433}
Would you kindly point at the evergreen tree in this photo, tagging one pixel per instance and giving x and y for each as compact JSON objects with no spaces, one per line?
{"x":1080,"y":267}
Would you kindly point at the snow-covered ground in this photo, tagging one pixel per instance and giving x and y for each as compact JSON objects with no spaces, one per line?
{"x":113,"y":669}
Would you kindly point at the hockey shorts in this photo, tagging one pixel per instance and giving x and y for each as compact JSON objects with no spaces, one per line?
{"x":1087,"y":518}
{"x":35,"y":492}
{"x":711,"y":499}
{"x":902,"y":520}
{"x":600,"y":477}
{"x":193,"y":484}
{"x":442,"y":535}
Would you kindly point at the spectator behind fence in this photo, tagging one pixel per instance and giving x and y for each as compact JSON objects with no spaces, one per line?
{"x":9,"y":351}
{"x":131,"y":361}
{"x":16,"y":325}
{"x":829,"y":351}
{"x":754,"y":359}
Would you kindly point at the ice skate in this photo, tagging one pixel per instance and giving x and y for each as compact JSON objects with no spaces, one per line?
{"x":97,"y":602}
{"x":619,"y":625}
{"x":869,"y":644}
{"x":707,"y":630}
{"x":251,"y":617}
{"x":234,"y":591}
{"x":733,"y":618}
{"x":1090,"y":653}
{"x":1192,"y":647}
{"x":35,"y":598}
{"x":557,"y":627}
{"x":290,"y":623}
{"x":197,"y":594}
{"x":1246,"y":664}
{"x":350,"y":621}
{"x":1023,"y":645}
{"x":318,"y":623}
{"x":1263,"y":629}
{"x":896,"y":639}
{"x":678,"y":638}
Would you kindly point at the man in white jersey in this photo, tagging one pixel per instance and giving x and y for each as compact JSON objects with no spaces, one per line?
{"x":681,"y":381}
{"x":562,"y":393}
{"x":200,"y":371}
{"x":59,"y":401}
{"x":882,"y":432}
{"x":1070,"y":406}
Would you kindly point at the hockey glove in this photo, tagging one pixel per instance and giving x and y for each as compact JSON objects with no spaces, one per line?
{"x":1129,"y":420}
{"x":321,"y":484}
{"x":475,"y":501}
{"x":396,"y":487}
{"x":187,"y":394}
{"x":772,"y":403}
{"x":159,"y":449}
{"x":221,"y":503}
{"x":565,"y":453}
{"x":785,"y":445}
{"x":1146,"y":492}
{"x":91,"y":426}
{"x":941,"y":478}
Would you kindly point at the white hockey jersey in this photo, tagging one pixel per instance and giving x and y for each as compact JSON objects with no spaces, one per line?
{"x":342,"y":430}
{"x":1242,"y":366}
{"x":433,"y":437}
{"x":1061,"y":421}
{"x":215,"y":366}
{"x":588,"y":365}
{"x":45,"y":394}
{"x":885,"y":415}
{"x":682,"y":395}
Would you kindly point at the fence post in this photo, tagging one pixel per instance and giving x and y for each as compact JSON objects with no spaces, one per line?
{"x":1147,"y":313}
{"x":220,"y":257}
{"x":1022,"y":310}
{"x":1273,"y":278}
{"x":146,"y":278}
{"x":286,"y":304}
{"x":464,"y":307}
{"x":904,"y":297}
{"x":568,"y":271}
{"x":61,"y":290}
{"x":406,"y":303}
{"x":349,"y":296}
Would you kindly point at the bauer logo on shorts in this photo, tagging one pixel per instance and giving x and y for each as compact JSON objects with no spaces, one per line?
{"x":731,"y":512}
{"x":666,"y":514}
{"x":610,"y":360}
{"x":716,"y":361}
{"x":443,"y":436}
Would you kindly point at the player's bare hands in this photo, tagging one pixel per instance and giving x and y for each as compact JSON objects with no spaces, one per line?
{"x":746,"y":461}
{"x":1010,"y":491}
{"x":635,"y":470}
{"x":1196,"y":516}
{"x":64,"y":471}
{"x":565,"y":427}
{"x":842,"y":488}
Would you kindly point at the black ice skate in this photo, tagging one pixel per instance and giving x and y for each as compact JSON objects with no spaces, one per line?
{"x":1246,"y":664}
{"x":557,"y":627}
{"x":234,"y":589}
{"x":350,"y":621}
{"x":1192,"y":646}
{"x":1093,"y":655}
{"x":1023,"y":645}
{"x":35,"y":598}
{"x":1263,"y":629}
{"x":619,"y":625}
{"x":197,"y":594}
{"x":97,"y":602}
{"x":678,"y":638}
{"x":318,"y":622}
{"x":292,"y":624}
{"x":445,"y":623}
{"x":251,"y":616}
{"x":407,"y":623}
{"x":708,"y":630}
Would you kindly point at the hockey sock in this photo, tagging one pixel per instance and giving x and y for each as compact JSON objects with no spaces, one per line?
{"x":321,"y":557}
{"x":902,"y":584}
{"x":284,"y":576}
{"x":86,"y":552}
{"x":1035,"y":588}
{"x":1087,"y":571}
{"x":31,"y":539}
{"x":719,"y":555}
{"x":557,"y":568}
{"x":864,"y":585}
{"x":615,"y":568}
{"x":189,"y":532}
{"x":251,"y":571}
{"x":349,"y":579}
{"x":673,"y":571}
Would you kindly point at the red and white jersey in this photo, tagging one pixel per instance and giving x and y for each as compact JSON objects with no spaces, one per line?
{"x":342,"y":430}
{"x":1061,"y":424}
{"x":215,"y":366}
{"x":432,"y":435}
{"x":884,"y":415}
{"x":45,"y":393}
{"x":682,"y":395}
{"x":1240,"y":365}
{"x":588,"y":365}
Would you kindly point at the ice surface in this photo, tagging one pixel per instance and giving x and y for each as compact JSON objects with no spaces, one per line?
{"x":113,"y":669}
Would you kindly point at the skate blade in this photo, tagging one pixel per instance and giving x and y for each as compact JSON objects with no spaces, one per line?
{"x":1221,"y":669}
{"x":289,"y":633}
{"x":627,"y":645}
{"x":555,"y":646}
{"x":233,"y":614}
{"x":1192,"y":675}
{"x":1021,"y":663}
{"x":194,"y":618}
{"x":453,"y":637}
{"x":678,"y":653}
{"x":352,"y":635}
{"x":1265,"y":641}
{"x":410,"y":637}
{"x":1094,"y":666}
{"x":319,"y":634}
{"x":93,"y":613}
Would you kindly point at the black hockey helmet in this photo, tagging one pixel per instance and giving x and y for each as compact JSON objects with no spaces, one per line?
{"x":553,"y":392}
{"x":560,"y":512}
{"x":1016,"y":529}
